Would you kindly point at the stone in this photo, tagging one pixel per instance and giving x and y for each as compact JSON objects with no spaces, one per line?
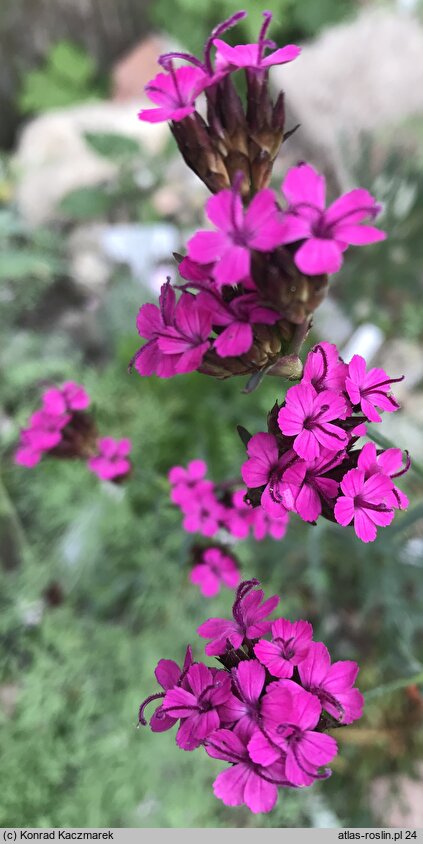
{"x":53,"y":158}
{"x":398,"y":801}
{"x":136,"y":68}
{"x":364,"y":75}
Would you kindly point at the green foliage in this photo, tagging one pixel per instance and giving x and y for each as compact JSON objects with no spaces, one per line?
{"x":291,"y":18}
{"x":382,"y":282}
{"x":68,"y":76}
{"x":113,"y":146}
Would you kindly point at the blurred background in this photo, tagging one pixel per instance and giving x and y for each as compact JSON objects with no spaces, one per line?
{"x":94,"y":579}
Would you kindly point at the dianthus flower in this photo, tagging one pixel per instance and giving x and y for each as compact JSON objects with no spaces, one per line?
{"x":332,"y":684}
{"x":309,"y":416}
{"x":369,"y":390}
{"x":177,"y":335}
{"x":214,"y":568}
{"x":237,"y":318}
{"x":249,"y":614}
{"x":112,"y":460}
{"x":252,"y":56}
{"x":238,"y":232}
{"x":326,"y":233}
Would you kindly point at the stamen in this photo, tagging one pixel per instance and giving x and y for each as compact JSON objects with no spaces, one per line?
{"x":218,"y":30}
{"x":406,"y":468}
{"x":141,"y":719}
{"x":262,"y":35}
{"x":187,"y":57}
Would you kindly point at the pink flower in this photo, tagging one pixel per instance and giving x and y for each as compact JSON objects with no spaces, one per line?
{"x":238,"y":315}
{"x":305,"y":484}
{"x":236,"y":516}
{"x":326,"y":233}
{"x":70,"y":396}
{"x":189,"y":481}
{"x":175,"y":94}
{"x":245,"y":781}
{"x":243,"y":707}
{"x":371,"y":389}
{"x":289,"y":716}
{"x":198,"y":704}
{"x":265,"y":468}
{"x":251,"y":56}
{"x":364,"y":503}
{"x":203,"y":513}
{"x":112,"y":460}
{"x":216,"y":568}
{"x":229,"y":248}
{"x":324,"y":369}
{"x":264,"y":524}
{"x":248,"y":620}
{"x":307,"y":416}
{"x":332,"y":684}
{"x":388,"y":463}
{"x":169,"y":676}
{"x":29,"y":452}
{"x":289,"y":646}
{"x":43,"y":434}
{"x":177,"y":335}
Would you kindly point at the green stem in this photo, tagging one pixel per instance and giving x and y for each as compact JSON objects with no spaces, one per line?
{"x":13,"y":545}
{"x":396,"y":685}
{"x":379,"y":439}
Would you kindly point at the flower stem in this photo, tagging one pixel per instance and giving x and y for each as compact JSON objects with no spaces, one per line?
{"x":13,"y":541}
{"x":396,"y":685}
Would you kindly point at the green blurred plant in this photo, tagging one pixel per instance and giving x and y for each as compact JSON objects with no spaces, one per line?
{"x":293,"y":19}
{"x":69,"y":76}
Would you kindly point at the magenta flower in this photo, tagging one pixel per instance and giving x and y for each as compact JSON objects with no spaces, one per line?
{"x":252,"y":56}
{"x":215,"y":568}
{"x":308,"y":416}
{"x":371,"y":389}
{"x":332,"y":684}
{"x":203,"y":513}
{"x":388,"y":463}
{"x":29,"y":451}
{"x":169,"y":676}
{"x":112,"y":460}
{"x":265,"y":468}
{"x":238,"y":317}
{"x":326,"y":232}
{"x":189,"y":481}
{"x":229,"y":248}
{"x":245,"y":781}
{"x":70,"y":396}
{"x":197,"y":705}
{"x":236,"y":517}
{"x":177,"y":335}
{"x":305,"y":485}
{"x":243,"y":707}
{"x":264,"y":524}
{"x":248,"y":620}
{"x":174,"y":93}
{"x":289,"y":716}
{"x":324,"y":369}
{"x":364,"y":503}
{"x":289,"y":646}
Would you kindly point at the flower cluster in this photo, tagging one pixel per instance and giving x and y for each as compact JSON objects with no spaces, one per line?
{"x":252,"y":282}
{"x":308,"y":462}
{"x":63,"y":429}
{"x":266,"y":710}
{"x":208,"y":508}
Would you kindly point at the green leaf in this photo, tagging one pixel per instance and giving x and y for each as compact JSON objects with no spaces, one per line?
{"x":86,"y":203}
{"x":15,"y":265}
{"x":111,"y":145}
